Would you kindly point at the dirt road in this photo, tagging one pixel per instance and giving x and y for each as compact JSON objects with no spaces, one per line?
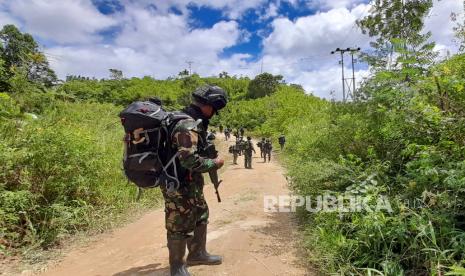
{"x":251,"y":241}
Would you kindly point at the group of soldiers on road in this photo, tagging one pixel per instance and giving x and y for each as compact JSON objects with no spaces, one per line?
{"x":227,"y":132}
{"x":246,"y":147}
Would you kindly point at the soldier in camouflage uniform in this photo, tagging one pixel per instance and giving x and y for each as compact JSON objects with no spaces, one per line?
{"x":267,"y":147}
{"x":261,"y":145}
{"x":282,"y":141}
{"x":240,"y":145}
{"x":235,"y":152}
{"x":186,"y":211}
{"x":248,"y":148}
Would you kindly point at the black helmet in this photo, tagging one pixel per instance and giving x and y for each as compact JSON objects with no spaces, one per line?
{"x":155,"y":100}
{"x":249,"y":138}
{"x":211,"y":95}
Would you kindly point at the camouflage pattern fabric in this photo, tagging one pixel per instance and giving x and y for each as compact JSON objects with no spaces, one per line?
{"x":187,"y":207}
{"x":248,"y":148}
{"x":267,"y":148}
{"x":186,"y":139}
{"x":235,"y":153}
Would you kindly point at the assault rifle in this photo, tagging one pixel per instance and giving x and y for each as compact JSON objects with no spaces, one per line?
{"x":211,"y":152}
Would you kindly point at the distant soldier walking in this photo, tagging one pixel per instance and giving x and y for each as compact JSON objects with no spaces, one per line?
{"x":267,"y":150}
{"x":236,"y":150}
{"x":241,"y":131}
{"x":261,"y":145}
{"x":248,"y":148}
{"x":227,"y":134}
{"x":282,"y":141}
{"x":240,"y":145}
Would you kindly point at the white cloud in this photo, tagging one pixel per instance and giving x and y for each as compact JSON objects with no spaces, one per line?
{"x":61,"y":21}
{"x":333,"y":4}
{"x":441,"y":25}
{"x":167,"y":38}
{"x":5,"y":19}
{"x":322,"y":82}
{"x":326,"y":4}
{"x":316,"y":34}
{"x":151,"y":43}
{"x":233,"y":9}
{"x":300,"y":49}
{"x":270,"y":12}
{"x":154,"y":41}
{"x":95,"y":60}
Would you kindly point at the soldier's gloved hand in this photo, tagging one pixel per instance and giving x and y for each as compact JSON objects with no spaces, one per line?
{"x":219,"y":163}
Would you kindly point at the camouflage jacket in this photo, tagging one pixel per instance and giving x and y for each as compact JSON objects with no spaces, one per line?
{"x":189,"y":137}
{"x":248,"y":147}
{"x":267,"y":146}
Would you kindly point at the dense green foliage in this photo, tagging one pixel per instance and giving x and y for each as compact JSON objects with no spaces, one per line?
{"x":263,"y":85}
{"x":60,"y":173}
{"x":19,"y":51}
{"x":405,"y":142}
{"x":403,"y":138}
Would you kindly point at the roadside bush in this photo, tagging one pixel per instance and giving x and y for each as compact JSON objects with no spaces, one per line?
{"x":61,"y":174}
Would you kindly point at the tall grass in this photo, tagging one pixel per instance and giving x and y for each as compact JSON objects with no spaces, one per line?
{"x":61,"y":173}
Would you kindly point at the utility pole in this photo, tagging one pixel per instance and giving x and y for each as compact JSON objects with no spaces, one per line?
{"x":353,"y":72}
{"x":261,"y":67}
{"x":344,"y":80}
{"x":190,"y":66}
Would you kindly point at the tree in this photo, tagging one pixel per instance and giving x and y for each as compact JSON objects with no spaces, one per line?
{"x":183,"y":73}
{"x":298,"y":87}
{"x":38,"y":70}
{"x":224,"y":75}
{"x":397,"y":26}
{"x":116,"y":74}
{"x":20,"y":50}
{"x":263,"y":85}
{"x":188,"y":85}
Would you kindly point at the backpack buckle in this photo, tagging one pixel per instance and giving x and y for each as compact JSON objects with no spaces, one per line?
{"x":172,"y":187}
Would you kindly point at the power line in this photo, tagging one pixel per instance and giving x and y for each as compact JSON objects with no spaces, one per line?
{"x":345,"y":83}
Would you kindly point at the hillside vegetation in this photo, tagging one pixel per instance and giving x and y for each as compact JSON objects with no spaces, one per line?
{"x":403,"y":137}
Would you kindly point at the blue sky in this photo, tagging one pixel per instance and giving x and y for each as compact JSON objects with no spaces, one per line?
{"x":157,"y":37}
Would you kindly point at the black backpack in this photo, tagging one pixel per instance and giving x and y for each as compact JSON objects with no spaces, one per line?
{"x":147,"y":144}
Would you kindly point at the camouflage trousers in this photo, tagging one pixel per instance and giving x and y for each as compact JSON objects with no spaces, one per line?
{"x":235,"y":155}
{"x":248,"y":160}
{"x":185,"y":209}
{"x":265,"y":154}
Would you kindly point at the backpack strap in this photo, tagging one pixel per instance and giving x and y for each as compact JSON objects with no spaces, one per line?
{"x":168,"y":124}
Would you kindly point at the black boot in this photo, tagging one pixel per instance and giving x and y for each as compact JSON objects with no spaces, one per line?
{"x":198,"y":254}
{"x":177,"y":249}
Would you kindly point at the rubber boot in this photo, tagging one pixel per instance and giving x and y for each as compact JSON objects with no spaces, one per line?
{"x":177,"y":250}
{"x":198,"y":254}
